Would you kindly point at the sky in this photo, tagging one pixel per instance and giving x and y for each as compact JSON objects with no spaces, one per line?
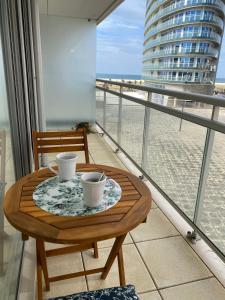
{"x":120,"y":41}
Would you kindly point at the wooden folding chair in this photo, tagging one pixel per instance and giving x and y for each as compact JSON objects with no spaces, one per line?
{"x":60,"y":141}
{"x":2,"y":193}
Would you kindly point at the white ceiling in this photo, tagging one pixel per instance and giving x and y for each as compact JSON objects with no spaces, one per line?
{"x":82,"y":9}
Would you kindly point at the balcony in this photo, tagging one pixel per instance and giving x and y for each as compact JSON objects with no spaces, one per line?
{"x":180,"y":6}
{"x":156,"y":4}
{"x":182,"y":21}
{"x":181,"y":51}
{"x":177,"y":79}
{"x":171,"y":140}
{"x":169,"y":38}
{"x":180,"y":66}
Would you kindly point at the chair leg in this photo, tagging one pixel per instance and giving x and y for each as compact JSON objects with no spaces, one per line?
{"x":24,"y":237}
{"x":95,"y":246}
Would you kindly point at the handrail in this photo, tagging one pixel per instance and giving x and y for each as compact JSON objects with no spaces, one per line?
{"x":212,"y":100}
{"x":215,"y":125}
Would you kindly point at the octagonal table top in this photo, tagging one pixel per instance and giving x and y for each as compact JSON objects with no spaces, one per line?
{"x":131,"y":210}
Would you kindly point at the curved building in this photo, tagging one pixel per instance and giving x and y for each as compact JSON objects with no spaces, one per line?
{"x":182,"y":43}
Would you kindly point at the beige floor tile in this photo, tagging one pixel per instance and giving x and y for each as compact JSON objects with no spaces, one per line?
{"x":115,"y":164}
{"x":157,"y":226}
{"x":151,"y":296}
{"x":135,"y":270}
{"x":172,"y":261}
{"x":62,"y":264}
{"x":103,"y":156}
{"x":66,"y":287}
{"x":69,"y":263}
{"x":154,"y":205}
{"x":93,"y":137}
{"x":209,"y":289}
{"x":109,"y":243}
{"x":98,"y":144}
{"x":49,"y":246}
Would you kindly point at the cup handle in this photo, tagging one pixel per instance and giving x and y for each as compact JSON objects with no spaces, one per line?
{"x":50,"y":168}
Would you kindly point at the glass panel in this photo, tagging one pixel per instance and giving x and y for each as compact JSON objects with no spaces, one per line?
{"x":10,"y":239}
{"x":69,"y":70}
{"x":99,"y":106}
{"x":174,"y":158}
{"x":132,"y":129}
{"x":135,"y":93}
{"x":222,"y":115}
{"x":112,"y":115}
{"x":212,"y":218}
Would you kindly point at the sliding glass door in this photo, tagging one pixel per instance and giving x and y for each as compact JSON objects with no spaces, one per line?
{"x":10,"y":239}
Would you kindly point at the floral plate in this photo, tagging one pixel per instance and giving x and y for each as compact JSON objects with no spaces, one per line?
{"x":66,"y":198}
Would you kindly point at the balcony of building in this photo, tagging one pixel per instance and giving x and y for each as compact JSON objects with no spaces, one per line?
{"x":171,"y":140}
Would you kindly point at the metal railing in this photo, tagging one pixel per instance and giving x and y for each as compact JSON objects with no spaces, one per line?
{"x":180,"y":6}
{"x":171,"y":52}
{"x":181,"y":21}
{"x":217,"y":3}
{"x":212,"y":36}
{"x":173,"y":147}
{"x":177,"y":79}
{"x":179,"y":65}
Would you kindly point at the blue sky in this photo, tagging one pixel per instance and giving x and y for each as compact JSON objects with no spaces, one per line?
{"x":120,"y":41}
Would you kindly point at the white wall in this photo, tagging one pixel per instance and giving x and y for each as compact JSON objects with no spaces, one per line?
{"x":69,"y":67}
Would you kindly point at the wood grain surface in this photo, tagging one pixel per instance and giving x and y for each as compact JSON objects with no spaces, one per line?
{"x":130,"y":211}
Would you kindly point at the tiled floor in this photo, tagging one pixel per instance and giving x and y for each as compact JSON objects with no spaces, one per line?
{"x":158,"y":260}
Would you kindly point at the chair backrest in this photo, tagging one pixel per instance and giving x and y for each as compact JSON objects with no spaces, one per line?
{"x":59,"y":141}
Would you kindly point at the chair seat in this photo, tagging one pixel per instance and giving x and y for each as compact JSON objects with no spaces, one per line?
{"x":119,"y":293}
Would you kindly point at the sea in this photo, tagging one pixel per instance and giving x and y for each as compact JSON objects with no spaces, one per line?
{"x":135,"y":77}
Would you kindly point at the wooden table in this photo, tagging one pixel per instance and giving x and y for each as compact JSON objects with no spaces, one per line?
{"x":116,"y":222}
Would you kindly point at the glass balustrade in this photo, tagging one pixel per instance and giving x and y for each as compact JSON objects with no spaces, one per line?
{"x":183,"y":35}
{"x":172,"y":52}
{"x":212,"y":215}
{"x":175,"y":145}
{"x":177,"y":79}
{"x":174,"y":22}
{"x":179,"y":66}
{"x":174,"y":157}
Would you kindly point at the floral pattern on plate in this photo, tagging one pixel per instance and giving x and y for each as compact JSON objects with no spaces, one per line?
{"x":65,"y":198}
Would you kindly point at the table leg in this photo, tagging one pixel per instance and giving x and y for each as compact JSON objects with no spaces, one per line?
{"x":113,"y":254}
{"x":41,"y":260}
{"x":39,"y":278}
{"x":95,"y":246}
{"x":121,"y":267}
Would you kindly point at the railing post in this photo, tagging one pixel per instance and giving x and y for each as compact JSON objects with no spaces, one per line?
{"x":104,"y":108}
{"x":181,"y":120}
{"x":205,"y":169}
{"x":119,"y":127}
{"x":146,"y":134}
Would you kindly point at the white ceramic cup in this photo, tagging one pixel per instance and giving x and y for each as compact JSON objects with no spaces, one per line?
{"x":92,"y":188}
{"x":66,"y":162}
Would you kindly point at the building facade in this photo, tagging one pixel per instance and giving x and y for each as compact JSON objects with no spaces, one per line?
{"x":182,"y":43}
